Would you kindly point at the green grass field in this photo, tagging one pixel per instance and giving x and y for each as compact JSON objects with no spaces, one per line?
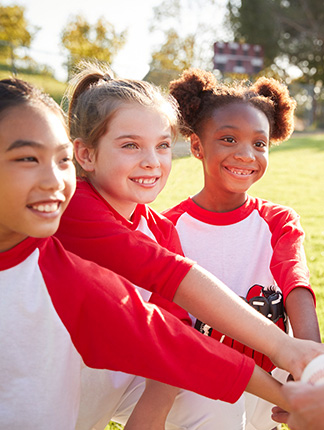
{"x":295,"y":178}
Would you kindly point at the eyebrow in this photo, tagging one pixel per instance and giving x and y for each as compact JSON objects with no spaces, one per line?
{"x":32,"y":144}
{"x":237,"y":128}
{"x":135,"y":136}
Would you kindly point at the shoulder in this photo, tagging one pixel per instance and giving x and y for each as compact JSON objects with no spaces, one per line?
{"x":268,"y":209}
{"x":163,"y":230}
{"x":84,"y":200}
{"x":279,"y":218}
{"x":174,"y":213}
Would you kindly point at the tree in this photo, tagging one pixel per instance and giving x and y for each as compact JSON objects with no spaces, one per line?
{"x":181,"y":49}
{"x":86,"y":41}
{"x":14,"y":33}
{"x":291,"y":29}
{"x":175,"y":55}
{"x":249,"y":20}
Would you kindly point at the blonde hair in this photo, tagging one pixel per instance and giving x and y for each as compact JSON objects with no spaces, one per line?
{"x":94,"y":96}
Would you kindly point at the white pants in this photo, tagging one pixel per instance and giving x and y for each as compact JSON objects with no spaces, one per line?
{"x":108,"y":395}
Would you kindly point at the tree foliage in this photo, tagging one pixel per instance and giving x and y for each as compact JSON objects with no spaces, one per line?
{"x":180,"y":48}
{"x":293,"y":29}
{"x":14,"y":33}
{"x":86,"y":41}
{"x":175,"y":55}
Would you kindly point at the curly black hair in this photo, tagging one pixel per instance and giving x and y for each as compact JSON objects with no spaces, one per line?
{"x":198,"y":94}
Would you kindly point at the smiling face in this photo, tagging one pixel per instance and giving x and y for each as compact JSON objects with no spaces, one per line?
{"x":37,"y":175}
{"x":234,"y":148}
{"x":133,"y":159}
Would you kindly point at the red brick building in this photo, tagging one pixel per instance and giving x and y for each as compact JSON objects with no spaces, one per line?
{"x":238,"y":58}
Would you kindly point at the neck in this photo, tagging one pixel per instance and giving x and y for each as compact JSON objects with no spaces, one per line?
{"x":218,"y":203}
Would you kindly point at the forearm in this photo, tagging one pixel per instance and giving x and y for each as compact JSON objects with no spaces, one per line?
{"x":153,"y":407}
{"x":263,"y":385}
{"x":302,"y":314}
{"x":209,"y":300}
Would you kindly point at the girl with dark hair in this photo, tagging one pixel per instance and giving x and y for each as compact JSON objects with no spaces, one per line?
{"x":254,"y":246}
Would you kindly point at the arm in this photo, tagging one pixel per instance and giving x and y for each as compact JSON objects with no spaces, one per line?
{"x":91,"y":229}
{"x":245,"y":324}
{"x":263,"y":385}
{"x":302,"y":315}
{"x":153,"y":407}
{"x":104,"y":314}
{"x":88,"y":226}
{"x":289,"y":268}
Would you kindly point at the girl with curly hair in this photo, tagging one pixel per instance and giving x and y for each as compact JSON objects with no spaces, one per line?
{"x":254,"y":246}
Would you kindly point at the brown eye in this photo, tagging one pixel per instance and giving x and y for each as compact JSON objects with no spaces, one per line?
{"x":260,"y":144}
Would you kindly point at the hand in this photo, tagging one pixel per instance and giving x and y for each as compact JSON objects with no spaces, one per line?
{"x":279,"y":415}
{"x":294,"y":354}
{"x":306,"y":406}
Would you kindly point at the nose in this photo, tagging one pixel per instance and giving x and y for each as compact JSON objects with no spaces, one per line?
{"x":150,"y":159}
{"x":245,"y":153}
{"x":52,"y":178}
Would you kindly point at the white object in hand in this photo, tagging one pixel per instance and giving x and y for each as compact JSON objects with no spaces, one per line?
{"x":314,"y":371}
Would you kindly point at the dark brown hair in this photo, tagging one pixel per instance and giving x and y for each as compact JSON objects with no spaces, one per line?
{"x":198,"y":94}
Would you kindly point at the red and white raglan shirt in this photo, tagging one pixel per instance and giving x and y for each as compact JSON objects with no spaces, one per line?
{"x":57,"y":309}
{"x":260,"y":244}
{"x":145,"y":251}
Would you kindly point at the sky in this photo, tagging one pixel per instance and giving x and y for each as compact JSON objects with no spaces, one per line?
{"x":52,"y":16}
{"x":134,"y":15}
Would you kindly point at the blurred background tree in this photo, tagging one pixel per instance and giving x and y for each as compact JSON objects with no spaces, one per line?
{"x":177,"y":48}
{"x":289,"y":31}
{"x":15,"y":34}
{"x":99,"y":41}
{"x":171,"y":58}
{"x":292,"y":35}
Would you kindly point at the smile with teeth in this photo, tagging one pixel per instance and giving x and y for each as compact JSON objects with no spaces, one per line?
{"x":145,"y":180}
{"x":46,"y":207}
{"x":241,"y":172}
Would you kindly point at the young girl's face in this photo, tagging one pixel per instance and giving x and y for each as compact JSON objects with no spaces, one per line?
{"x":37,"y":176}
{"x":234,"y":147}
{"x":133,"y":158}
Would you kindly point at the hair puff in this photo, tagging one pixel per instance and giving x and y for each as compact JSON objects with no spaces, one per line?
{"x":283,"y":107}
{"x":189,"y":90}
{"x":198,"y":94}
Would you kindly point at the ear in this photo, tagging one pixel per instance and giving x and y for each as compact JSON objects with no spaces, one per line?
{"x":196,"y":146}
{"x":84,"y":156}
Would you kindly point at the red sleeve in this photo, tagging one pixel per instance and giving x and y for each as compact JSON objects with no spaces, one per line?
{"x":112,"y":327}
{"x":288,"y":264}
{"x":171,"y":307}
{"x":91,"y":230}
